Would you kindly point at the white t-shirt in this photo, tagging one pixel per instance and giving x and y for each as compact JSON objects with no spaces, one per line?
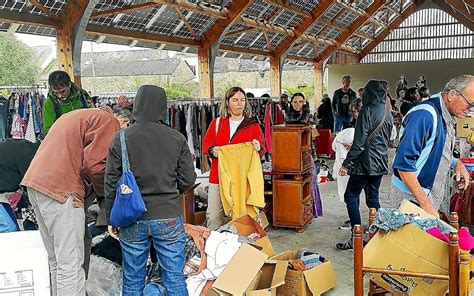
{"x":234,"y":124}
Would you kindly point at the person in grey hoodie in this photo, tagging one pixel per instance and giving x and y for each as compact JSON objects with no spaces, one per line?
{"x":163,"y":167}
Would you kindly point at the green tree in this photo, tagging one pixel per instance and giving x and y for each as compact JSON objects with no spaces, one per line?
{"x":307,"y":91}
{"x":178,"y":91}
{"x":18,"y":65}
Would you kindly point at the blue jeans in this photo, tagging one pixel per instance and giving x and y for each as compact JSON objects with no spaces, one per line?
{"x":341,"y":122}
{"x":355,"y":185}
{"x":7,"y":219}
{"x":169,"y":241}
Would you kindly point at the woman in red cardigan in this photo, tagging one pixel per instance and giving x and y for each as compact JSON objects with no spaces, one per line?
{"x":234,"y":126}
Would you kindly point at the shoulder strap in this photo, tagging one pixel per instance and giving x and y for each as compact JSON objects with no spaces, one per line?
{"x":377,"y":129}
{"x":217,"y":124}
{"x":123,"y":144}
{"x":57,"y":107}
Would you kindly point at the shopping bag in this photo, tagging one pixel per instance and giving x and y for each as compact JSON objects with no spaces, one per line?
{"x":128,"y":205}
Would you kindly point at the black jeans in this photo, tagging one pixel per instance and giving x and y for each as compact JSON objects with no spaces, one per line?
{"x":355,"y":185}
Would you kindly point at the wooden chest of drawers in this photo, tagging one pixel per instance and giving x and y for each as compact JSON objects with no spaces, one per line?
{"x":292,"y":202}
{"x":291,"y":149}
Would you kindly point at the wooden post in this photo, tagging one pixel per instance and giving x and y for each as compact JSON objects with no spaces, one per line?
{"x":358,"y":261}
{"x":372,"y":214}
{"x":464,"y":273}
{"x":70,"y":35}
{"x":454,"y":220}
{"x":453,"y":264}
{"x":206,"y":72}
{"x":318,"y":83}
{"x":276,"y":69}
{"x":64,"y":50}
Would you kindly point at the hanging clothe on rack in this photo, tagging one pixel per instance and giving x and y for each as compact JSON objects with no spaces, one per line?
{"x":26,"y":120}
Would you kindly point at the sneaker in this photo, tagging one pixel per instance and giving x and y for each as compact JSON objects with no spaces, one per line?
{"x":346,"y":245}
{"x":346,"y":225}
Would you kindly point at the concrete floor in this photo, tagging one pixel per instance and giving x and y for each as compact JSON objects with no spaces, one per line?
{"x":323,"y":233}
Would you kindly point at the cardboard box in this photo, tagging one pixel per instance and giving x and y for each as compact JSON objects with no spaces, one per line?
{"x":246,"y":225}
{"x":464,"y":127}
{"x":410,"y":249}
{"x":272,"y":275}
{"x":24,"y":266}
{"x":241,"y":271}
{"x":314,"y":281}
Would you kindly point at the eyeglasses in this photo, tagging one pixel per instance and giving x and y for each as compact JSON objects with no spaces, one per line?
{"x":468,"y":102}
{"x":61,"y":93}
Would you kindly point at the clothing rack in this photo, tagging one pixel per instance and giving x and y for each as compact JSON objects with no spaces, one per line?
{"x":28,"y":87}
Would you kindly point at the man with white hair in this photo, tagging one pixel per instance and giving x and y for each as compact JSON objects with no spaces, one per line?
{"x":424,"y":157}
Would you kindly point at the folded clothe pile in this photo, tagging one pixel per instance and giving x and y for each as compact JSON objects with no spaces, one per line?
{"x":305,"y":260}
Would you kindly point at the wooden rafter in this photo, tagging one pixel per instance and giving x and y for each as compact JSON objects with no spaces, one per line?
{"x":393,"y":10}
{"x":282,"y":5}
{"x":372,"y":9}
{"x":363,"y":35}
{"x":269,"y":44}
{"x":125,"y":9}
{"x":455,"y":14}
{"x":238,"y":32}
{"x":136,"y":35}
{"x":303,"y":26}
{"x":264,"y":26}
{"x":385,"y":32}
{"x":43,"y":9}
{"x":235,"y":10}
{"x":332,"y":24}
{"x":461,"y":7}
{"x":185,"y":21}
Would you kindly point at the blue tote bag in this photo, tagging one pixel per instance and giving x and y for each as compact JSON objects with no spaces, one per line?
{"x":128,"y":205}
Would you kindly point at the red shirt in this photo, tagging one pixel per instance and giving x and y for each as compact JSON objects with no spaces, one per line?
{"x":247,"y":131}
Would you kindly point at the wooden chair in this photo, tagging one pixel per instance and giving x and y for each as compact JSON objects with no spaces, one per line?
{"x":459,"y":264}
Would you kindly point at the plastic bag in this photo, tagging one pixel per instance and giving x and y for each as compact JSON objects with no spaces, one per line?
{"x":105,"y":278}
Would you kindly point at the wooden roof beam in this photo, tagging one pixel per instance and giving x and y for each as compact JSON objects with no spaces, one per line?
{"x":125,"y":9}
{"x":303,"y":26}
{"x":265,"y":26}
{"x":43,"y":9}
{"x":342,"y":38}
{"x":384,"y":33}
{"x":393,"y":10}
{"x":27,"y":19}
{"x":333,"y":24}
{"x":363,"y":13}
{"x":363,"y":35}
{"x":235,"y":10}
{"x":286,"y":6}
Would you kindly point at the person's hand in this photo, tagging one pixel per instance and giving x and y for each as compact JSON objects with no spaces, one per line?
{"x":215,"y":151}
{"x":461,"y":171}
{"x":113,"y":232}
{"x":256,"y":145}
{"x":343,"y":171}
{"x":347,"y":146}
{"x":428,"y":207}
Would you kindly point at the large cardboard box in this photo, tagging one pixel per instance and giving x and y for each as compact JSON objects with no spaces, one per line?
{"x":272,"y":275}
{"x":410,"y":249}
{"x":240,"y":273}
{"x":314,"y":281}
{"x":24,"y":266}
{"x":246,"y":225}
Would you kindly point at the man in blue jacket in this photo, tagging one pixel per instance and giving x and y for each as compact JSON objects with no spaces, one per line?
{"x":424,"y":157}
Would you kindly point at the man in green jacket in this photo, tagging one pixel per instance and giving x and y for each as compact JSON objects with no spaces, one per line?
{"x":63,"y":97}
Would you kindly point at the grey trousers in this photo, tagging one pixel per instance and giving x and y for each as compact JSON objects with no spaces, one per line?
{"x":62,"y":229}
{"x":215,"y":211}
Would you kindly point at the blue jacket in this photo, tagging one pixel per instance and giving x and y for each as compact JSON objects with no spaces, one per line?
{"x":422,"y":139}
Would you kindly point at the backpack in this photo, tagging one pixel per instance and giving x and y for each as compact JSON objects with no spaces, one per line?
{"x":57,"y":106}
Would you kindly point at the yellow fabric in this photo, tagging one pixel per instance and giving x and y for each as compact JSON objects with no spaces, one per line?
{"x":240,"y":180}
